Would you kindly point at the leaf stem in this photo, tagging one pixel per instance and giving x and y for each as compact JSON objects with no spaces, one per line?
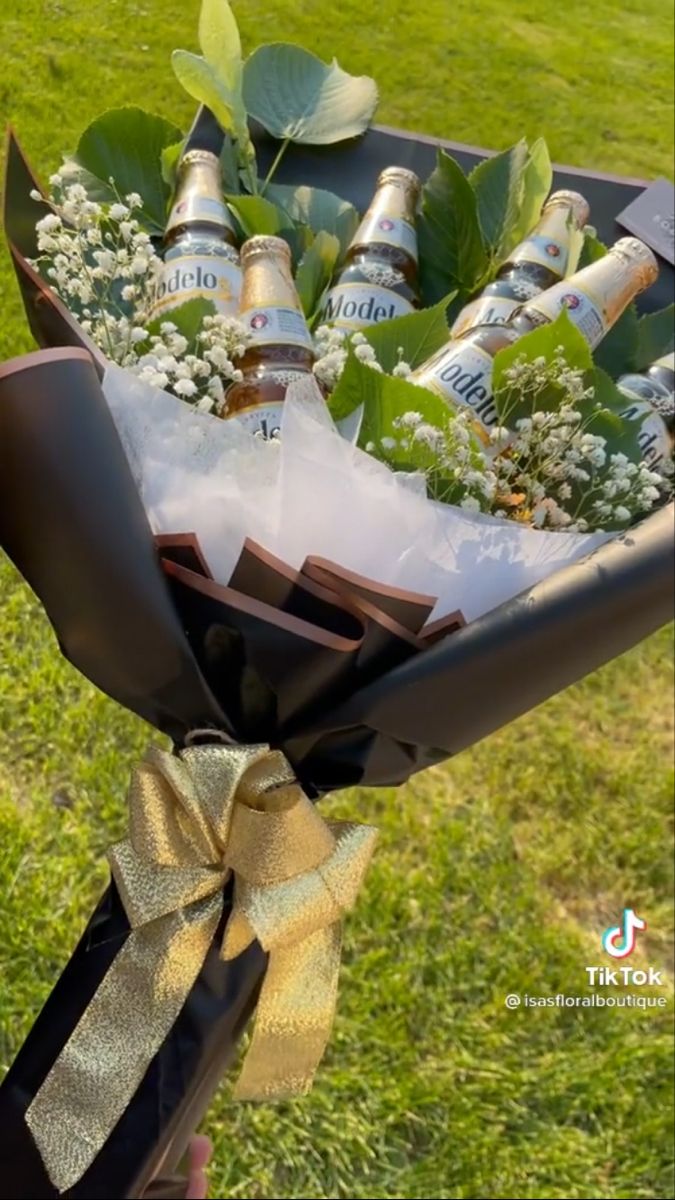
{"x":279,"y":155}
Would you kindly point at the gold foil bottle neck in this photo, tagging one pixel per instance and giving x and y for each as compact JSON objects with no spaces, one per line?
{"x":198,"y":199}
{"x":577,"y":204}
{"x":267,"y":276}
{"x":199,"y":156}
{"x":638,"y":258}
{"x":403,"y":178}
{"x":266,"y":244}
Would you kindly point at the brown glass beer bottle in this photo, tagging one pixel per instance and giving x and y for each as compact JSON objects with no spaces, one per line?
{"x":536,"y":264}
{"x":200,"y":254}
{"x":379,"y":278}
{"x":281,"y":348}
{"x":595,"y":297}
{"x":652,"y":402}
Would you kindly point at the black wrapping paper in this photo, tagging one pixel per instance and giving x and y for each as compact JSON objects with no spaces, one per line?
{"x":349,"y":699}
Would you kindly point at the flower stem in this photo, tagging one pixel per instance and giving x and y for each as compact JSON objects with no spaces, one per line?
{"x":278,"y":157}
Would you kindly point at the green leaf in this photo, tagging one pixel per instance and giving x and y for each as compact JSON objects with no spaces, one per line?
{"x":541,"y":342}
{"x":229,"y":166}
{"x":188,"y":318}
{"x":617,"y":353}
{"x":592,"y":249}
{"x":452,"y":253}
{"x":537,"y":182}
{"x":315,"y":271}
{"x":201,"y":81}
{"x":418,"y":335}
{"x":384,"y":398}
{"x":498,"y":186}
{"x":256,"y":215}
{"x":220,"y":43}
{"x":170,"y":158}
{"x":656,"y":336}
{"x":319,"y":209}
{"x":296,"y":96}
{"x":126,"y":144}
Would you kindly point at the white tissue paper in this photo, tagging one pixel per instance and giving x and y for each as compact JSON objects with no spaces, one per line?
{"x":314,"y":493}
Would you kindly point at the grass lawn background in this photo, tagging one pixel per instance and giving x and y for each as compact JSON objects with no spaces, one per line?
{"x":495,"y":873}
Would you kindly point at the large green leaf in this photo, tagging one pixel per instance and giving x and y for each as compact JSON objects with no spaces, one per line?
{"x":592,"y":249}
{"x":257,"y":215}
{"x":537,"y":181}
{"x":188,"y":319}
{"x":296,"y":96}
{"x":541,"y":342}
{"x":418,"y":335}
{"x":383,"y":397}
{"x":126,"y":144}
{"x":317,"y":208}
{"x":220,"y":43}
{"x":202,"y":82}
{"x":656,"y":336}
{"x":452,"y":251}
{"x":315,"y":271}
{"x":617,"y":353}
{"x":498,"y":185}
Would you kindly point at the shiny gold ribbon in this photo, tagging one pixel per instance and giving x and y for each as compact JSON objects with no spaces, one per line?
{"x":193,"y":819}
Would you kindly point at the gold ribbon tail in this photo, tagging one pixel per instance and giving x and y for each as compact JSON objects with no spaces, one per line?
{"x":194,"y":819}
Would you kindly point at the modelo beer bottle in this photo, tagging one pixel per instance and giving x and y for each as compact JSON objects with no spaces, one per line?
{"x":652,"y":402}
{"x":280,"y":349}
{"x":200,"y":255}
{"x":379,"y":278}
{"x":595,"y":297}
{"x":536,"y":264}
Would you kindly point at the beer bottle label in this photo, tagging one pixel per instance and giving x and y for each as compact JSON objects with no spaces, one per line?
{"x":583,"y":309}
{"x":654,"y":439}
{"x":544,"y":251}
{"x":641,"y":387}
{"x":387,"y":228}
{"x":188,"y":276}
{"x":463,"y":377}
{"x":355,"y":305}
{"x":274,"y":324}
{"x":486,"y":310}
{"x":262,"y":420}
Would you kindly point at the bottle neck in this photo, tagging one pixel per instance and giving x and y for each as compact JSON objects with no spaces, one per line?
{"x":269,"y":306}
{"x":198,"y":204}
{"x":549,"y":243}
{"x":389,"y":222}
{"x":595,"y":297}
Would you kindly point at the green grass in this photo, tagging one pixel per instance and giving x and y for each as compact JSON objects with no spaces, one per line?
{"x":496,"y":873}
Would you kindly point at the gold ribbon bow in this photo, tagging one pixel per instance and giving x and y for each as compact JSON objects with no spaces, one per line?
{"x":193,"y":819}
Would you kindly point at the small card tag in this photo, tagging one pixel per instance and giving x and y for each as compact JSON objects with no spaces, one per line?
{"x":651,"y":217}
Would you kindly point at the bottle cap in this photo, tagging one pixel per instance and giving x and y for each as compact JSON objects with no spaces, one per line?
{"x":577,"y":203}
{"x":199,"y":156}
{"x":265,"y":244}
{"x":401,"y":177}
{"x":639,"y":257}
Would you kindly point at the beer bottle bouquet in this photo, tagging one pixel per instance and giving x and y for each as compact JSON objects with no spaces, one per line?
{"x":289,"y":479}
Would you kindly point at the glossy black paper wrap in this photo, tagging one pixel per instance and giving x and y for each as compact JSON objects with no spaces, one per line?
{"x":73,"y":523}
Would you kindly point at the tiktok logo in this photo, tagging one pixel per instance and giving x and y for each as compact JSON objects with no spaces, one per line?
{"x":619,"y":940}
